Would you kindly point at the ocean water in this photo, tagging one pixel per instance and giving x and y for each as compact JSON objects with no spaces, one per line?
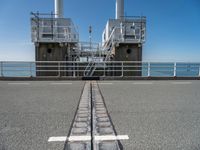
{"x":23,"y":69}
{"x":167,"y":69}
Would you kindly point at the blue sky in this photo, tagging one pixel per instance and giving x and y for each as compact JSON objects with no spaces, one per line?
{"x":173,"y":26}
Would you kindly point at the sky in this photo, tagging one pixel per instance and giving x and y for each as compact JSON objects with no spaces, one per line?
{"x":173,"y":26}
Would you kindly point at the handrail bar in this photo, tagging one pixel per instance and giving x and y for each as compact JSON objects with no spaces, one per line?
{"x":98,"y":68}
{"x":196,"y":63}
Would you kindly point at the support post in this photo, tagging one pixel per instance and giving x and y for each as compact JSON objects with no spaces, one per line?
{"x":1,"y":69}
{"x":74,"y":72}
{"x":30,"y":69}
{"x":59,"y":75}
{"x":104,"y":69}
{"x":122,"y":69}
{"x":175,"y":69}
{"x":149,"y":69}
{"x":199,"y":70}
{"x":77,"y":69}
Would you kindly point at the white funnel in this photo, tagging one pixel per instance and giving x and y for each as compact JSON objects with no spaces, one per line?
{"x":119,"y":9}
{"x":58,"y":8}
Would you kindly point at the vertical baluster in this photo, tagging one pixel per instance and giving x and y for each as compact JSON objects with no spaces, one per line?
{"x":59,"y":75}
{"x":149,"y":69}
{"x":199,"y":70}
{"x":1,"y":69}
{"x":104,"y":74}
{"x":175,"y":65}
{"x":122,"y":69}
{"x":30,"y":69}
{"x":74,"y":72}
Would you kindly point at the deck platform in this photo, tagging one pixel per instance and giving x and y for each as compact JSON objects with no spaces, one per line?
{"x":154,"y":114}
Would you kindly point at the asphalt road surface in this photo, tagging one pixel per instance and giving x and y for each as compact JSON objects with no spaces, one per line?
{"x":156,"y":115}
{"x":31,"y":112}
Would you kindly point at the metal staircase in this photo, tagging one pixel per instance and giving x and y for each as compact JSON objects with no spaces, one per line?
{"x":109,"y":52}
{"x":109,"y":45}
{"x":94,"y":64}
{"x":89,"y":70}
{"x":107,"y":49}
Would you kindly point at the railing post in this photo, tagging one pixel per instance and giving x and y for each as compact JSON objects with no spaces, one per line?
{"x":1,"y":69}
{"x":30,"y":69}
{"x":74,"y":72}
{"x":199,"y":70}
{"x":175,"y":69}
{"x":122,"y":69}
{"x":149,"y":69}
{"x":59,"y":75}
{"x":104,"y":69}
{"x":77,"y":69}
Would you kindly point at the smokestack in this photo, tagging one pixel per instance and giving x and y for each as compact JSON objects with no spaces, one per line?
{"x":58,"y":8}
{"x":119,"y":9}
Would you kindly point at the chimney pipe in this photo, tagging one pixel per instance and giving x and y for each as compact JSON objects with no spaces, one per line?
{"x":58,"y":8}
{"x":119,"y":9}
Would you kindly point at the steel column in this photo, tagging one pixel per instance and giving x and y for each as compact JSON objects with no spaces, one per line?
{"x":199,"y":70}
{"x":1,"y":69}
{"x":119,"y":9}
{"x":30,"y":69}
{"x":122,"y":69}
{"x":149,"y":69}
{"x":74,"y":72}
{"x":58,"y":8}
{"x":175,"y":65}
{"x":104,"y":71}
{"x":59,"y":75}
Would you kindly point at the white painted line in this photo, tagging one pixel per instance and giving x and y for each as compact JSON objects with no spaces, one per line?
{"x":181,"y":82}
{"x":62,"y":83}
{"x":18,"y":83}
{"x":105,"y":83}
{"x":79,"y":138}
{"x":70,"y":139}
{"x":57,"y":139}
{"x":143,"y":83}
{"x":88,"y":138}
{"x":111,"y":137}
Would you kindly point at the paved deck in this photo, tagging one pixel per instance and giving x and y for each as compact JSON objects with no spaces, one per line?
{"x":157,"y":115}
{"x":31,"y":112}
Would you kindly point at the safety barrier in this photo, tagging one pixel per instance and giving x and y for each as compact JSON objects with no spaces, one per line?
{"x":104,"y":69}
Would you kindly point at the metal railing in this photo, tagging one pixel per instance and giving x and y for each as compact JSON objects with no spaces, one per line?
{"x":105,"y":69}
{"x":130,"y":30}
{"x":46,"y":28}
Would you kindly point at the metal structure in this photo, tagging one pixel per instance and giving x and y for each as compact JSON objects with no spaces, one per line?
{"x":59,"y":9}
{"x":119,"y":9}
{"x":89,"y":51}
{"x":129,"y":30}
{"x":123,"y":37}
{"x":47,"y":29}
{"x":104,"y":69}
{"x":57,"y":39}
